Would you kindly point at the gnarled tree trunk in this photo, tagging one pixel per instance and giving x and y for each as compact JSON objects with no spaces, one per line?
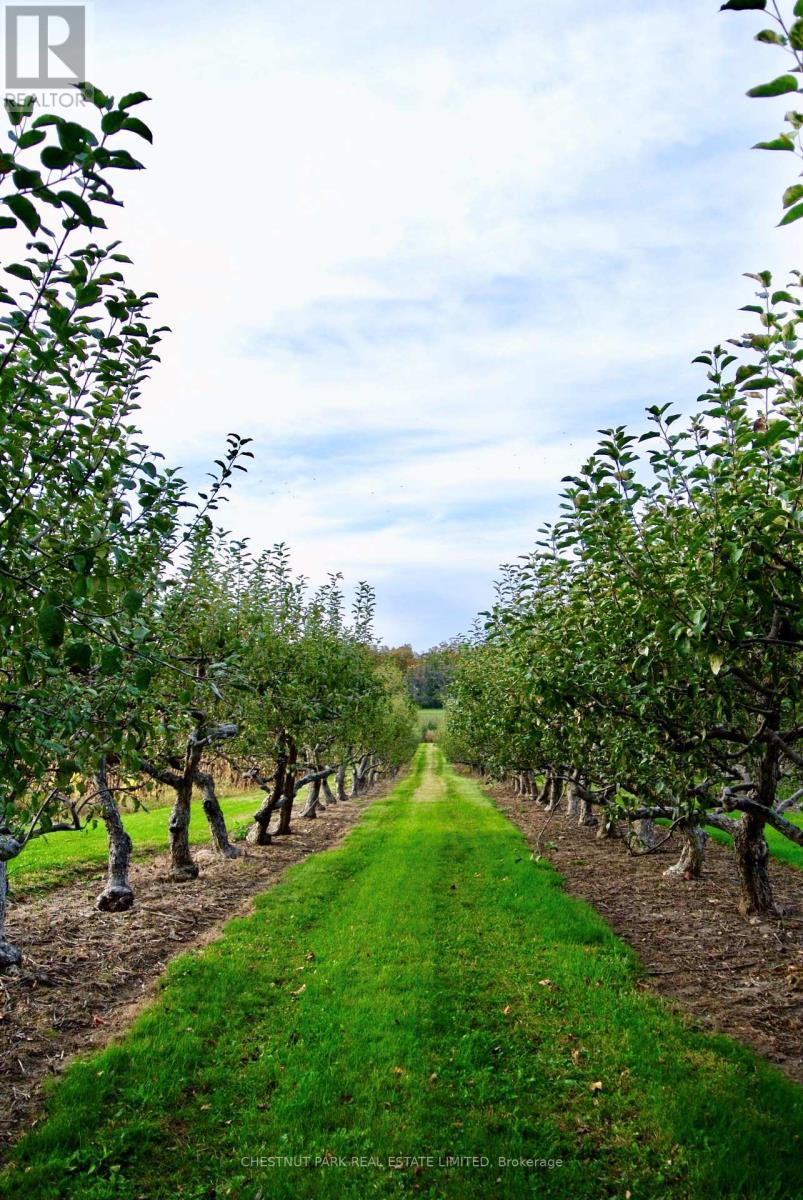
{"x":258,"y":833}
{"x":328,"y":794}
{"x":690,"y":864}
{"x":572,"y":799}
{"x":555,"y":794}
{"x":342,"y":794}
{"x":10,"y":956}
{"x":752,"y":857}
{"x":358,"y":776}
{"x":286,"y":811}
{"x":586,"y":815}
{"x":214,"y":815}
{"x":118,"y":895}
{"x":750,"y":844}
{"x":646,"y":833}
{"x":546,"y":790}
{"x":313,"y":798}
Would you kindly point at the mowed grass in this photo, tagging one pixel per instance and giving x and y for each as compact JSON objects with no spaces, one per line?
{"x":56,"y":859}
{"x":433,"y":719}
{"x":424,"y":990}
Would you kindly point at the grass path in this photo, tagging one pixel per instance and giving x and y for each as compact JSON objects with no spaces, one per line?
{"x":425,"y":990}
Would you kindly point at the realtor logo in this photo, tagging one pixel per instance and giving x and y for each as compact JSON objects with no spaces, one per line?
{"x":45,"y":45}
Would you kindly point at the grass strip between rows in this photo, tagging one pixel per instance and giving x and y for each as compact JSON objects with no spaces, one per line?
{"x":423,"y":990}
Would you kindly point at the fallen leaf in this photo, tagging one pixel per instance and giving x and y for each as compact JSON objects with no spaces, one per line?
{"x":595,"y":1087}
{"x":298,"y":991}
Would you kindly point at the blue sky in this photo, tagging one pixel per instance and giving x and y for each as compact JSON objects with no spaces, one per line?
{"x":421,"y":252}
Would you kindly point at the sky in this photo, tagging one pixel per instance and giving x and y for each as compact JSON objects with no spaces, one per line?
{"x":421,"y":252}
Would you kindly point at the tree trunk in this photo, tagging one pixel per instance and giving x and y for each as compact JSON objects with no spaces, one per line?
{"x":182,"y":867}
{"x":286,"y":811}
{"x":117,"y":896}
{"x":752,"y":857}
{"x":555,"y":795}
{"x":752,"y":852}
{"x":543,"y":795}
{"x":10,"y":956}
{"x":314,"y":796}
{"x":258,"y":833}
{"x":358,"y":778}
{"x":646,"y":833}
{"x":586,"y":816}
{"x":329,"y":795}
{"x":214,"y":815}
{"x":341,"y":783}
{"x":690,"y":864}
{"x":572,"y":800}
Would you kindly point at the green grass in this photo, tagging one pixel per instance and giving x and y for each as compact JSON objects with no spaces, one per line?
{"x":423,"y":989}
{"x":57,"y":859}
{"x":433,"y":719}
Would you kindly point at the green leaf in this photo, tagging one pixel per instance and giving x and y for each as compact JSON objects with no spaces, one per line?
{"x":55,"y":158}
{"x":134,"y":125}
{"x":93,"y":95}
{"x":744,"y":6}
{"x":770,"y":36}
{"x":112,"y":121}
{"x":78,"y":205}
{"x":78,"y":655}
{"x":132,"y":602}
{"x":32,"y":138}
{"x":7,"y":223}
{"x":778,"y":87}
{"x":50,"y":623}
{"x":143,"y":677}
{"x":111,"y":660}
{"x":26,"y":212}
{"x":794,"y":214}
{"x":782,"y":142}
{"x":133,"y":98}
{"x":20,"y":271}
{"x":18,"y":110}
{"x":792,"y":194}
{"x":86,"y":296}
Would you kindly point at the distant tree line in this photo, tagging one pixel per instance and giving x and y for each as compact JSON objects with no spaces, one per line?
{"x":427,"y":675}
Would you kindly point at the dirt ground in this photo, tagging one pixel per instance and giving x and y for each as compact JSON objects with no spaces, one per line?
{"x":739,"y":976}
{"x":85,"y":973}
